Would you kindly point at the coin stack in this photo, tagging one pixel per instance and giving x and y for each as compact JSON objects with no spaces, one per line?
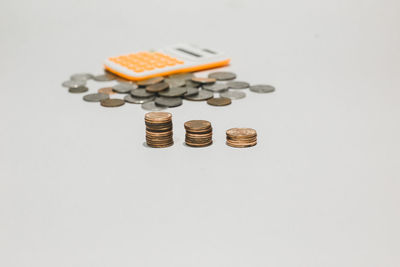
{"x":198,"y":133}
{"x":159,"y":129}
{"x":241,"y":137}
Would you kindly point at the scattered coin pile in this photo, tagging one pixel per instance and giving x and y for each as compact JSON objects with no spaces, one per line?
{"x":159,"y":93}
{"x":159,"y":129}
{"x":198,"y":133}
{"x":241,"y":137}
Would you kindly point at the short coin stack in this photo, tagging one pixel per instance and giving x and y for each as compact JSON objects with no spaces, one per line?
{"x":198,"y":133}
{"x":241,"y":137}
{"x":159,"y":129}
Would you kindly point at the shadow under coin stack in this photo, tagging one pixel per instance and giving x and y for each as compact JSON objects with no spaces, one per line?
{"x":241,"y":137}
{"x":198,"y":133}
{"x":159,"y":129}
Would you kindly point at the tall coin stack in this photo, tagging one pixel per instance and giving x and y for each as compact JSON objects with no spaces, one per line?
{"x":198,"y":133}
{"x":159,"y":129}
{"x":241,"y":137}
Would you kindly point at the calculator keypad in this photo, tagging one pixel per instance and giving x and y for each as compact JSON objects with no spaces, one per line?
{"x":146,"y":61}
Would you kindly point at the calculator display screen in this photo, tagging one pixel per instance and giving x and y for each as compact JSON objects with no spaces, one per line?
{"x":188,"y":52}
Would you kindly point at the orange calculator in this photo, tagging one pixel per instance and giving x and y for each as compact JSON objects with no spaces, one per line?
{"x":169,"y":60}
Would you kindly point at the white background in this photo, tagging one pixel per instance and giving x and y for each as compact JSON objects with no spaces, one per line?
{"x":78,"y":188}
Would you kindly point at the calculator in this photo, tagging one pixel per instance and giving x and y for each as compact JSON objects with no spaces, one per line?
{"x":169,"y":60}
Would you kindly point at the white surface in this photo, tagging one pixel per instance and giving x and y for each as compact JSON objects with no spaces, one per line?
{"x":78,"y":188}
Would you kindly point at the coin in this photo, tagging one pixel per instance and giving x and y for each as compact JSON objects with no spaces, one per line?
{"x":106,"y":90}
{"x":241,"y":137}
{"x":197,"y":125}
{"x":150,"y":81}
{"x":241,"y":132}
{"x":168,"y":101}
{"x":158,"y":87}
{"x":158,"y":129}
{"x":138,"y":100}
{"x":124,"y":88}
{"x":173,"y":92}
{"x":151,"y":105}
{"x":141,"y":92}
{"x":112,"y":102}
{"x":219,"y":101}
{"x":157,"y":117}
{"x":237,"y":85}
{"x":104,"y":77}
{"x":198,"y":133}
{"x":182,"y":76}
{"x":216,"y":87}
{"x":201,"y":96}
{"x":203,"y":80}
{"x":222,"y":75}
{"x":78,"y":90}
{"x":175,"y":82}
{"x":234,"y":95}
{"x":191,"y":91}
{"x":74,"y":84}
{"x":95,"y":97}
{"x":262,"y":88}
{"x":81,"y":76}
{"x":190,"y":83}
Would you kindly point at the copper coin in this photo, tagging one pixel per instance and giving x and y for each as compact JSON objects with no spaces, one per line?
{"x":106,"y":90}
{"x":203,"y":80}
{"x":158,"y":87}
{"x":150,"y":81}
{"x":219,"y":101}
{"x":241,"y":132}
{"x":197,"y":125}
{"x":241,"y":146}
{"x":112,"y":102}
{"x":158,"y":116}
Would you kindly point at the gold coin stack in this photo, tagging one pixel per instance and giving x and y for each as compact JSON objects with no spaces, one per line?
{"x":159,"y":129}
{"x":241,"y":137}
{"x":198,"y":133}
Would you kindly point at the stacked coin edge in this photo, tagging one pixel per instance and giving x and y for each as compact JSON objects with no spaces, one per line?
{"x":159,"y":132}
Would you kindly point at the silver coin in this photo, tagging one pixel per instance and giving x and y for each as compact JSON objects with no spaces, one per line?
{"x":175,"y":82}
{"x":234,"y":95}
{"x":95,"y":97}
{"x":191,"y":91}
{"x":138,"y":100}
{"x":78,"y":90}
{"x":151,"y":106}
{"x":190,"y":83}
{"x":201,"y":96}
{"x":262,"y":88}
{"x":173,"y":92}
{"x":222,"y":75}
{"x":74,"y":84}
{"x":216,"y":87}
{"x":168,"y":101}
{"x":182,"y":76}
{"x":237,"y":85}
{"x":141,"y":92}
{"x":124,"y":88}
{"x":104,"y":77}
{"x":81,"y":76}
